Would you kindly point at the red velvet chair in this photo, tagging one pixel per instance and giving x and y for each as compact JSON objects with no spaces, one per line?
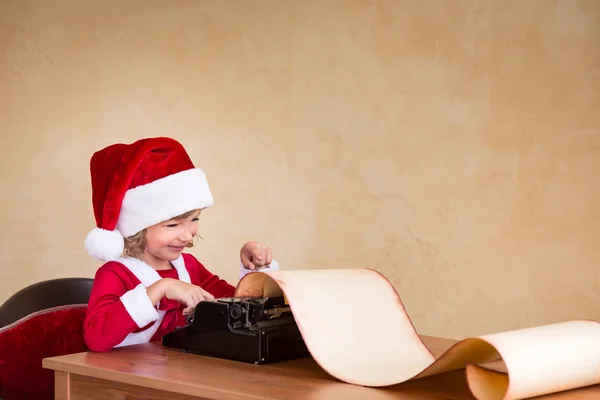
{"x":41,"y":320}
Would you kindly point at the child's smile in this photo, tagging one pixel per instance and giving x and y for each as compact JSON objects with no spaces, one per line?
{"x":177,"y":249}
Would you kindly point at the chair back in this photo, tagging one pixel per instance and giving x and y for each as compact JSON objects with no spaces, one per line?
{"x":45,"y":295}
{"x":42,"y":320}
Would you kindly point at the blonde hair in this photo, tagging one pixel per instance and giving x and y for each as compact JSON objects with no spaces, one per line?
{"x":136,"y":244}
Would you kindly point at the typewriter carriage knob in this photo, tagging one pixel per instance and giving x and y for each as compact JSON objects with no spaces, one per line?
{"x":235,"y":311}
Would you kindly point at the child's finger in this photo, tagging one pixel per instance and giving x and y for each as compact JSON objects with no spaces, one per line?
{"x":189,"y":300}
{"x":246,"y":261}
{"x":207,"y":295}
{"x":196,"y":297}
{"x":260,"y":255}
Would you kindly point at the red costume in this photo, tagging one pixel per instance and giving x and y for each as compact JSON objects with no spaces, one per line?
{"x":119,"y":311}
{"x":135,"y":186}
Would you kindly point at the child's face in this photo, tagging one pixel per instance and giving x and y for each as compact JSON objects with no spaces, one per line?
{"x":168,"y":239}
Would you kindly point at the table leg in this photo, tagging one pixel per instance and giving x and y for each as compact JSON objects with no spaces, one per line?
{"x":62,"y":385}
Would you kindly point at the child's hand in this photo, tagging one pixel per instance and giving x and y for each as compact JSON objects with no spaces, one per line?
{"x":255,"y":255}
{"x":185,"y":293}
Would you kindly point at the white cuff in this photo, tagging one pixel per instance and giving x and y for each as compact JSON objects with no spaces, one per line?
{"x":138,"y":305}
{"x":274,"y":266}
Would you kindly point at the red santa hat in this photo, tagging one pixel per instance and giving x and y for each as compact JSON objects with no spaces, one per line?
{"x":137,"y":185}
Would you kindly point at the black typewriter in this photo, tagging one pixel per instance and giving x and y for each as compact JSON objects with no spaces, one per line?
{"x":242,"y":329}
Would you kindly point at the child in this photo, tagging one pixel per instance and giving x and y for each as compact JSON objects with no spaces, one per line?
{"x":147,"y":197}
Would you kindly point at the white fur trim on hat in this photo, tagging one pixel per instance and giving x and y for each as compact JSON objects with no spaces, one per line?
{"x":162,"y":200}
{"x":104,"y":244}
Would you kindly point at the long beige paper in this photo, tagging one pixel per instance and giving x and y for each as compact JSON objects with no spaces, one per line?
{"x":356,"y":328}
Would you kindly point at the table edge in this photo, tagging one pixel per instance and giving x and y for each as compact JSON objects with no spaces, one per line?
{"x":58,"y":365}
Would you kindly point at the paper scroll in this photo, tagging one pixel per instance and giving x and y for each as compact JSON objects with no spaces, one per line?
{"x":356,"y":328}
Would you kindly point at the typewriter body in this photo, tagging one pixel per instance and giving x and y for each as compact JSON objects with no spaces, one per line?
{"x":241,"y":329}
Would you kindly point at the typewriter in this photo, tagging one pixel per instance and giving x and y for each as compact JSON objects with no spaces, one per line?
{"x":250,"y":330}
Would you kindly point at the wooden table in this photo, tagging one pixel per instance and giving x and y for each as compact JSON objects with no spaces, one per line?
{"x":149,"y":371}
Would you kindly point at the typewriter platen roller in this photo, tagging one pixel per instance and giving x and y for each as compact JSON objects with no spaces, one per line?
{"x":241,"y":329}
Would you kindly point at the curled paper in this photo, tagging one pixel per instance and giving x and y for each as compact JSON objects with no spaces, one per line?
{"x":356,"y":328}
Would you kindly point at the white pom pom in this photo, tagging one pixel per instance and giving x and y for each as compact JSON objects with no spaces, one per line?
{"x":104,"y":244}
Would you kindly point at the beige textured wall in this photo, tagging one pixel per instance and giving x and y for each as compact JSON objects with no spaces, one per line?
{"x":452,"y":145}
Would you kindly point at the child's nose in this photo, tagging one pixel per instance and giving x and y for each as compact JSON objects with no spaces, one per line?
{"x":186,"y":236}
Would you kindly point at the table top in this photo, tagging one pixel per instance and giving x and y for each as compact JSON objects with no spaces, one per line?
{"x":153,"y":366}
